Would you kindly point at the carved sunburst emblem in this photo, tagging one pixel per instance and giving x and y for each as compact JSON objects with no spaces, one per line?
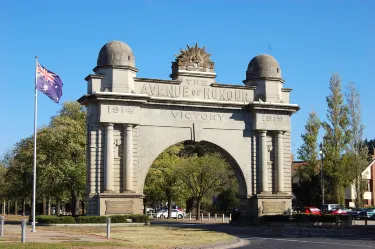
{"x":196,"y":55}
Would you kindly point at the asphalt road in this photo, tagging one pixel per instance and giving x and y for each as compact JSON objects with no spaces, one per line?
{"x":289,"y":238}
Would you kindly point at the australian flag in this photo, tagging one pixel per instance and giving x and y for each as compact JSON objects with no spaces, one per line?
{"x":49,"y":83}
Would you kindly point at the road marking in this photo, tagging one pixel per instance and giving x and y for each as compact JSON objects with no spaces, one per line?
{"x":312,"y":242}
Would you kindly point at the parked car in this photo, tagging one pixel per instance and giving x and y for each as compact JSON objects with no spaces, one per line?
{"x":311,"y":210}
{"x":354,"y":212}
{"x":174,"y":213}
{"x":367,"y":212}
{"x":338,"y":211}
{"x":327,"y":208}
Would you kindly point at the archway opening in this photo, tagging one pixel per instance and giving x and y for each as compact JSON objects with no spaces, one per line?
{"x":193,"y":177}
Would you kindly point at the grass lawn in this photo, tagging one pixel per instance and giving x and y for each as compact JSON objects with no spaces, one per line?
{"x":156,"y":237}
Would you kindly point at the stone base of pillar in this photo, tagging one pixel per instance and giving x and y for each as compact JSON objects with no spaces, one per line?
{"x":264,"y":204}
{"x":115,"y":204}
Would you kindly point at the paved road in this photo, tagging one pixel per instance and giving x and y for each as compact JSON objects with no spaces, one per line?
{"x":290,"y":238}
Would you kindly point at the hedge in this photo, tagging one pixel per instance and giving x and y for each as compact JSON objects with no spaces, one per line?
{"x":276,"y":218}
{"x":320,"y":218}
{"x":51,"y":219}
{"x":57,"y":220}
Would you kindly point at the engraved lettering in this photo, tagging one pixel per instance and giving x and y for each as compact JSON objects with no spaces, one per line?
{"x":204,"y":116}
{"x":222,"y":92}
{"x":161,"y":90}
{"x":237,"y":95}
{"x":220,"y":115}
{"x":115,"y":109}
{"x":153,"y":89}
{"x":186,"y":91}
{"x":144,"y":89}
{"x":188,"y":115}
{"x":175,"y":114}
{"x":229,"y":95}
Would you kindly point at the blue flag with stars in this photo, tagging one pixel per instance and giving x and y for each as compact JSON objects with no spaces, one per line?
{"x":48,"y":83}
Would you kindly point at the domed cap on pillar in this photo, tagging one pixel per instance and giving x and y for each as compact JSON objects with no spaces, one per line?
{"x":116,"y":54}
{"x":263,"y":67}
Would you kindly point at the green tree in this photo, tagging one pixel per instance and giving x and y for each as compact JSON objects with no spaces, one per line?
{"x":308,"y":152}
{"x":335,"y":140}
{"x":203,"y":174}
{"x":163,"y":179}
{"x":357,"y":150}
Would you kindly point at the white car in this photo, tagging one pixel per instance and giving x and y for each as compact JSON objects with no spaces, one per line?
{"x":175,"y":213}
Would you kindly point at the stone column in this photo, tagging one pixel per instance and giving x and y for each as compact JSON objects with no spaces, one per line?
{"x":128,"y":157}
{"x":279,"y":164}
{"x":108,"y":166}
{"x":263,"y":160}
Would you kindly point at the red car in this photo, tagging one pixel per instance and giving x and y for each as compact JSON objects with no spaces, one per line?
{"x":311,"y":210}
{"x":339,"y":211}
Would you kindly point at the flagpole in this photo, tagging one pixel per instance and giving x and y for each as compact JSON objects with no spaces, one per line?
{"x":34,"y":166}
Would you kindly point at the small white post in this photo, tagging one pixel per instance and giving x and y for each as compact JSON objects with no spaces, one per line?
{"x":223,"y":218}
{"x":108,"y":227}
{"x":202,"y":217}
{"x":209,"y":217}
{"x":190,"y":216}
{"x":230,"y":217}
{"x":2,"y":226}
{"x":23,"y":227}
{"x":215,"y":217}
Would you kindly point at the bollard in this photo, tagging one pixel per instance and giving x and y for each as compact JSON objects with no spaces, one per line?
{"x":223,"y":218}
{"x":337,"y":220}
{"x":350,"y":220}
{"x":23,"y":227}
{"x":208,"y":217}
{"x":202,"y":217}
{"x":2,"y":226}
{"x":366,"y":221}
{"x":108,"y":227}
{"x":215,"y":217}
{"x":190,"y":216}
{"x":230,"y":217}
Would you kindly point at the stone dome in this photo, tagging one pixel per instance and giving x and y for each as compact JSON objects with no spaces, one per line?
{"x":116,"y":53}
{"x":263,"y":66}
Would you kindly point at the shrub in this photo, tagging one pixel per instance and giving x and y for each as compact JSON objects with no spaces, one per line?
{"x":56,"y":220}
{"x":91,"y":219}
{"x":331,"y":218}
{"x":37,"y":217}
{"x":138,"y":218}
{"x":276,"y":218}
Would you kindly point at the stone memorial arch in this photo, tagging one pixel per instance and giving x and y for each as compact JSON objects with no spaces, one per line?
{"x":131,"y":120}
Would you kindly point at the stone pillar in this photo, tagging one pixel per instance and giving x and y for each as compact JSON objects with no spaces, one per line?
{"x":263,"y":160}
{"x":128,"y":157}
{"x":108,"y":166}
{"x":279,"y":164}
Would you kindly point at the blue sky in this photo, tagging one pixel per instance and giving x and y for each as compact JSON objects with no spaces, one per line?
{"x":310,"y":39}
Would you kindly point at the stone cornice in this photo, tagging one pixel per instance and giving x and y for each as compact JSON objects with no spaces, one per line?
{"x":116,"y":67}
{"x":233,"y":86}
{"x":148,"y":80}
{"x":264,"y":78}
{"x":151,"y":100}
{"x":94,"y":76}
{"x":286,"y":89}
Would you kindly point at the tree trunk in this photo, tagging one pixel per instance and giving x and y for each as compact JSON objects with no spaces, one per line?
{"x":49,"y":205}
{"x":198,"y":208}
{"x":169,"y":206}
{"x":83,"y":207}
{"x":15,"y":208}
{"x":23,"y":207}
{"x":77,"y":205}
{"x":63,"y":208}
{"x":72,"y":206}
{"x":4,"y":205}
{"x":57,"y":208}
{"x":44,"y":205}
{"x":8,"y":207}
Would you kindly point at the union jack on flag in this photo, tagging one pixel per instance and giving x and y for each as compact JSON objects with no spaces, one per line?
{"x":48,"y":83}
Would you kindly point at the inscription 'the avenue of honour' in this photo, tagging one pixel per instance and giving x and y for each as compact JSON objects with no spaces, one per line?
{"x":195,"y":91}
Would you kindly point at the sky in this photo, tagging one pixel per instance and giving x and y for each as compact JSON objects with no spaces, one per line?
{"x":310,"y":39}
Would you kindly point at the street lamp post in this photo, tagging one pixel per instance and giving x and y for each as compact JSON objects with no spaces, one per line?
{"x":321,"y":171}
